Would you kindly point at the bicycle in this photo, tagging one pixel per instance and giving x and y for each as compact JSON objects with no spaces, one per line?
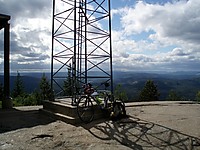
{"x":85,"y":108}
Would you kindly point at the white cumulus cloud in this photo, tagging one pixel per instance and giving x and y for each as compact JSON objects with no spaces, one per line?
{"x":174,"y":35}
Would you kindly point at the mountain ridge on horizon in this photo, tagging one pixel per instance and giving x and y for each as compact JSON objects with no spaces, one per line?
{"x":186,"y":85}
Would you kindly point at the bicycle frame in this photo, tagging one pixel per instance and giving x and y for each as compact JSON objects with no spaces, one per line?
{"x":110,"y":105}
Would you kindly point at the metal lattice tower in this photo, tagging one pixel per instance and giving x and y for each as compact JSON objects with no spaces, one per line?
{"x":81,"y":44}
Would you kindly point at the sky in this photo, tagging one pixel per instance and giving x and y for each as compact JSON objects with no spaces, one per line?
{"x":147,"y":35}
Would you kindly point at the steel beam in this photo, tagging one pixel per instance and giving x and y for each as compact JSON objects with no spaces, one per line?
{"x":81,"y":39}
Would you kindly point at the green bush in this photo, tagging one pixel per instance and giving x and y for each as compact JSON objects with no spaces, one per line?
{"x":198,"y":96}
{"x":21,"y":98}
{"x":119,"y":93}
{"x":27,"y":100}
{"x":173,"y":96}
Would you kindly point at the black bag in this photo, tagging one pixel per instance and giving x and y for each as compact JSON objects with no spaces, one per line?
{"x":118,"y":111}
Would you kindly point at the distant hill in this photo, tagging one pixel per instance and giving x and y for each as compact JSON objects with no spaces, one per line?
{"x":30,"y":83}
{"x":185,"y":84}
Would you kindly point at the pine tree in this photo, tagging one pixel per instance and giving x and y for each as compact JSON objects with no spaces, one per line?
{"x":68,"y":84}
{"x":45,"y":88}
{"x":149,"y":92}
{"x":18,"y":87}
{"x":120,"y":93}
{"x":198,"y":96}
{"x":1,"y":92}
{"x":173,"y":96}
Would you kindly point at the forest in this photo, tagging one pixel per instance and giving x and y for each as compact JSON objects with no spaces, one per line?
{"x":31,"y":89}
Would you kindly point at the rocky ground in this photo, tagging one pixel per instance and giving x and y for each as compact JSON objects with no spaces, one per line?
{"x":157,"y":125}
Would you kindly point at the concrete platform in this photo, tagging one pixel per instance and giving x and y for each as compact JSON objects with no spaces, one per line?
{"x":62,"y":109}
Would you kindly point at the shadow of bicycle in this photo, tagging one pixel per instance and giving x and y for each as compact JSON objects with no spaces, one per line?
{"x":140,"y":134}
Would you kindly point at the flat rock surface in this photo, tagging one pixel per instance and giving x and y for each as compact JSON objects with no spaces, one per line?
{"x":155,"y":125}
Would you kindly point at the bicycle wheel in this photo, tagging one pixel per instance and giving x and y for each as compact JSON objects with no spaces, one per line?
{"x":85,"y":109}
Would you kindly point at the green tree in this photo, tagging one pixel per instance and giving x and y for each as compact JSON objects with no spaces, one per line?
{"x":1,"y":92}
{"x":18,"y":87}
{"x":173,"y":96}
{"x":149,"y":92}
{"x":45,"y":88}
{"x":198,"y":96}
{"x":120,"y":93}
{"x":28,"y":99}
{"x":68,"y":83}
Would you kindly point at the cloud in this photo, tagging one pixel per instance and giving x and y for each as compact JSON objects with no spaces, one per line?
{"x":147,"y":37}
{"x":174,"y":35}
{"x":179,"y":19}
{"x":25,"y":8}
{"x":140,"y":62}
{"x":178,"y":52}
{"x":30,"y":43}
